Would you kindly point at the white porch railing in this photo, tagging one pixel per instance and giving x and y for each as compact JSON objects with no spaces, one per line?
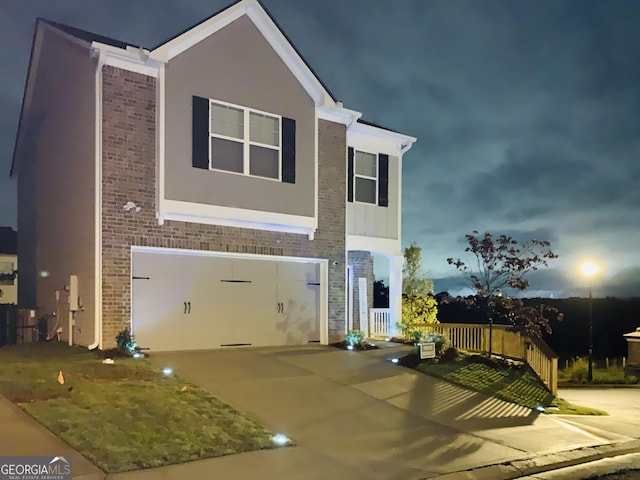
{"x":380,"y":322}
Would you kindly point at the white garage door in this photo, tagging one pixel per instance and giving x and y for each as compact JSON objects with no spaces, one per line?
{"x":192,"y":302}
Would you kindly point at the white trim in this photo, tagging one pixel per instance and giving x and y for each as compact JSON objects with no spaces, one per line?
{"x":399,"y":140}
{"x":246,"y":141}
{"x":316,"y":167}
{"x":383,"y":246}
{"x":269,"y":30}
{"x":323,"y":262}
{"x":338,"y":114}
{"x":131,"y":59}
{"x":350,"y":278}
{"x":237,"y":217}
{"x":160,"y":143}
{"x":399,"y":199}
{"x":97,"y":334}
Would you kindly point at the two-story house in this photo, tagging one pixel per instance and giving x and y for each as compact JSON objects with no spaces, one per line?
{"x":207,"y":192}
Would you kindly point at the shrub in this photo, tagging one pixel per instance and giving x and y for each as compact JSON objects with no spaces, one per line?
{"x":578,"y":370}
{"x":125,"y":340}
{"x":450,"y":354}
{"x":354,"y":338}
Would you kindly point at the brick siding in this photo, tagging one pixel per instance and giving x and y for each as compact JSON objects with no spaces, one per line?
{"x":129,"y":174}
{"x":362,"y":263}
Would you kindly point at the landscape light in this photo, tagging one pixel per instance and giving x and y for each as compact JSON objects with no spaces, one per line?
{"x":394,"y":360}
{"x":280,"y":439}
{"x":138,"y":355}
{"x":167,"y":371}
{"x":540,"y":408}
{"x":349,"y":347}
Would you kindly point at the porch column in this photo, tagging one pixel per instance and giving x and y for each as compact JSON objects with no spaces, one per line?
{"x":395,"y":291}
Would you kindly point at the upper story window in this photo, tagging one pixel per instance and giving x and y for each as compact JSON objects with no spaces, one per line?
{"x":368,"y":180}
{"x":6,"y":273}
{"x":243,"y":140}
{"x":366,"y":177}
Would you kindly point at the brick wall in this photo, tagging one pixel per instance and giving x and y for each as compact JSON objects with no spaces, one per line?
{"x":128,"y":174}
{"x":362,"y":263}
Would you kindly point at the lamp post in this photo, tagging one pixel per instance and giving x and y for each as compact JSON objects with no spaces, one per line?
{"x":589,"y":270}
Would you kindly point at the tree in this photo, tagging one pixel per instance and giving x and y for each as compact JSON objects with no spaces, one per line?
{"x":418,"y":304}
{"x":504,"y":262}
{"x":380,"y":294}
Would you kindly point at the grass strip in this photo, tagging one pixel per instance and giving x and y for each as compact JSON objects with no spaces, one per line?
{"x":125,"y":416}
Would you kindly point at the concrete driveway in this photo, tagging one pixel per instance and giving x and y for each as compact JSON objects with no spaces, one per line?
{"x":356,"y":415}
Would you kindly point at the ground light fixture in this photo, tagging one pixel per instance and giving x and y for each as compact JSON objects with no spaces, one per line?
{"x":138,"y":355}
{"x":280,"y":439}
{"x":394,"y":360}
{"x":167,"y":370}
{"x":349,"y":347}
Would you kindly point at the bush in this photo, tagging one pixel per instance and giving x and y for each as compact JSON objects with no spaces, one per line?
{"x":354,"y":338}
{"x":578,"y":370}
{"x":125,"y":340}
{"x":451,"y":354}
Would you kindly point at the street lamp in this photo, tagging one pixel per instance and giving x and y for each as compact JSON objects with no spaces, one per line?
{"x":589,"y":269}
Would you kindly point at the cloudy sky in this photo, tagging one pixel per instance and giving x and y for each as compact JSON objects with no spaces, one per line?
{"x":527,"y":113}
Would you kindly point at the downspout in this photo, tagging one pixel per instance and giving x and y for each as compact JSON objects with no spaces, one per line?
{"x":97,"y":328}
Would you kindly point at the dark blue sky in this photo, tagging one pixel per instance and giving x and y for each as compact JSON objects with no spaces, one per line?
{"x":527,"y":113}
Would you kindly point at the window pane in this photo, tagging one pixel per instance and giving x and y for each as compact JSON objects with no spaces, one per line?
{"x":226,"y":155}
{"x":366,"y":164}
{"x":228,"y":121}
{"x":264,"y":162}
{"x":365,"y":190}
{"x":264,"y":129}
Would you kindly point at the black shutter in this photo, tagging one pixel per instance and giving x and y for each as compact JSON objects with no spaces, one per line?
{"x":350,"y":174}
{"x":200,"y":133}
{"x":383,"y":180}
{"x":288,"y":150}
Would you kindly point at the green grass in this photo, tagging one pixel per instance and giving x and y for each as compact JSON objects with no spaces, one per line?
{"x":562,"y":407}
{"x":577,"y":372}
{"x":125,"y":416}
{"x":511,"y":381}
{"x":515,"y":383}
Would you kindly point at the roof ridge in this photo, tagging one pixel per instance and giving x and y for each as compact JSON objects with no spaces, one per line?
{"x":85,"y":34}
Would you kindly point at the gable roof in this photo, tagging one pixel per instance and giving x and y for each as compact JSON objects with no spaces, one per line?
{"x":85,"y":35}
{"x":8,"y":241}
{"x":186,"y":31}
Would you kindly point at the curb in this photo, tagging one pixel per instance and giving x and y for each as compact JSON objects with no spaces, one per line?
{"x":544,"y":463}
{"x":568,"y":386}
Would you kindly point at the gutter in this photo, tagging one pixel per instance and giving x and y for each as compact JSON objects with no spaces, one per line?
{"x":97,"y":315}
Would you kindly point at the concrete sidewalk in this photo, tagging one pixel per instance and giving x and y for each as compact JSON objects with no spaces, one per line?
{"x":20,"y":434}
{"x":353,"y":415}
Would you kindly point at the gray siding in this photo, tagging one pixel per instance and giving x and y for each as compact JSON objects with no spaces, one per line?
{"x":372,"y":220}
{"x":237,"y":65}
{"x":56,"y":214}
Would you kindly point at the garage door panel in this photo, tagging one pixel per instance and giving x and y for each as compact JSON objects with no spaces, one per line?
{"x":231,"y":301}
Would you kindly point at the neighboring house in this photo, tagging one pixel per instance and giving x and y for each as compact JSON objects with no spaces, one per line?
{"x":8,"y":266}
{"x":206,"y":192}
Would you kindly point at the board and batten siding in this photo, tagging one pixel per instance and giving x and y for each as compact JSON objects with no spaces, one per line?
{"x":375,"y":221}
{"x":237,"y":65}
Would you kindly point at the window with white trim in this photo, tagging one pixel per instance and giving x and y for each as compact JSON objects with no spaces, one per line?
{"x":366,"y":177}
{"x":244,"y":140}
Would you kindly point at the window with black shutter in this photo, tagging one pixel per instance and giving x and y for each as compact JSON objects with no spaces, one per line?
{"x":243,"y":140}
{"x":368,"y":177}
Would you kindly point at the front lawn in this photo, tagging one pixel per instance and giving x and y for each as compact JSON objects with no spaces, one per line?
{"x":507,"y":380}
{"x":124,"y":416}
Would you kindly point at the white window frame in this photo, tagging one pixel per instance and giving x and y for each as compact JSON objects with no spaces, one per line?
{"x":356,"y":175}
{"x":246,"y":140}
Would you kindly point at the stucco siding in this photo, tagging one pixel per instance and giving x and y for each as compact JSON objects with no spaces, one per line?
{"x":236,"y":65}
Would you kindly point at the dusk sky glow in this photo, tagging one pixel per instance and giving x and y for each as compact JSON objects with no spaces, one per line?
{"x":527,"y":113}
